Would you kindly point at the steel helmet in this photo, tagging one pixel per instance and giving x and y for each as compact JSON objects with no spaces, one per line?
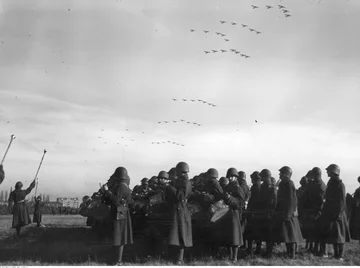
{"x":121,"y":173}
{"x":182,"y":167}
{"x":213,"y":173}
{"x":265,"y":173}
{"x":163,"y":175}
{"x":153,"y":179}
{"x":308,"y":174}
{"x":316,"y":171}
{"x":255,"y":176}
{"x":172,"y":172}
{"x":145,"y":180}
{"x":334,"y":169}
{"x":242,"y":175}
{"x":18,"y":185}
{"x":232,"y":172}
{"x":286,"y":171}
{"x":304,"y":180}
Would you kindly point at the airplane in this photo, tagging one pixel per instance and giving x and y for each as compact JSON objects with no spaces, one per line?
{"x":257,"y":32}
{"x":255,"y":121}
{"x":226,"y":40}
{"x":217,"y":33}
{"x":223,"y":50}
{"x":207,"y":52}
{"x":184,"y":99}
{"x":251,"y":30}
{"x":182,"y":120}
{"x":182,"y":145}
{"x":159,"y":122}
{"x":174,"y":99}
{"x":237,"y":52}
{"x":214,"y":51}
{"x":280,"y":6}
{"x":223,"y":35}
{"x":222,"y":21}
{"x":193,"y":100}
{"x":195,"y":123}
{"x":166,"y":122}
{"x":285,"y":10}
{"x":243,"y":25}
{"x":287,"y":15}
{"x":191,"y":30}
{"x":188,"y":122}
{"x":247,"y":56}
{"x":234,"y":23}
{"x":242,"y":55}
{"x":206,"y":31}
{"x":232,"y":50}
{"x":254,"y":6}
{"x":174,"y":121}
{"x":268,"y":7}
{"x":168,"y":141}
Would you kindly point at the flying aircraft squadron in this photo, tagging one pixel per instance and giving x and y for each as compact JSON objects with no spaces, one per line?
{"x":268,"y":7}
{"x":254,"y":6}
{"x":243,"y":25}
{"x":222,"y":21}
{"x":192,"y":30}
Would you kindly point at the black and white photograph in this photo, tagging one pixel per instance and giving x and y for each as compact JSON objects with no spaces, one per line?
{"x":179,"y":133}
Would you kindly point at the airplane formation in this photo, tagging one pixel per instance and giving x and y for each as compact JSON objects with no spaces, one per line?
{"x":167,"y":142}
{"x":193,"y":100}
{"x":179,"y":121}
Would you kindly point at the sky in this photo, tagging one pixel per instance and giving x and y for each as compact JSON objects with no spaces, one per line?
{"x":89,"y":81}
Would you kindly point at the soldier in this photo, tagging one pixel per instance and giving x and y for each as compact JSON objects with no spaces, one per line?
{"x":172,"y":175}
{"x":246,"y":190}
{"x":300,"y":196}
{"x":234,"y":197}
{"x":38,"y":211}
{"x":213,"y":190}
{"x":120,"y":201}
{"x":355,"y":215}
{"x":311,"y":204}
{"x":267,"y":203}
{"x":2,"y":174}
{"x":285,"y":224}
{"x":332,"y":225}
{"x":252,"y":230}
{"x":163,"y":178}
{"x":177,"y":195}
{"x":20,"y":211}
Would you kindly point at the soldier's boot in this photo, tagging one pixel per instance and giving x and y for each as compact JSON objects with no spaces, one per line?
{"x":249,"y":246}
{"x":119,"y":250}
{"x":323,"y":250}
{"x":316,"y":247}
{"x":341,"y":251}
{"x":180,"y":259}
{"x":235,"y":250}
{"x":258,"y":247}
{"x":336,"y":251}
{"x":293,"y":249}
{"x":269,"y":249}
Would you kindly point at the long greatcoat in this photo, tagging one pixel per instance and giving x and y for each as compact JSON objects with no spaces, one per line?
{"x":20,"y":211}
{"x":2,"y":175}
{"x":310,"y":207}
{"x":332,"y":226}
{"x":252,"y":229}
{"x":285,"y":226}
{"x":355,"y":216}
{"x":122,"y":232}
{"x":38,"y":211}
{"x":180,"y":229}
{"x":229,"y":226}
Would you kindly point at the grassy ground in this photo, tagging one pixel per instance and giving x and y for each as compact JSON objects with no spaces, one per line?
{"x":67,"y":241}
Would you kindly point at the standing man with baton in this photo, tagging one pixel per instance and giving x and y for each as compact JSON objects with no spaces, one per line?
{"x":2,"y":173}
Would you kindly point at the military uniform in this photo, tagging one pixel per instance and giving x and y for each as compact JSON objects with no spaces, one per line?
{"x":2,"y":174}
{"x":38,"y":211}
{"x":355,"y":216}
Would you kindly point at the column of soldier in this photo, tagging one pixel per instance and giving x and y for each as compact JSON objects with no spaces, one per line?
{"x":269,"y":212}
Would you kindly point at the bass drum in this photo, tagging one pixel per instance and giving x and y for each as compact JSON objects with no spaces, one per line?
{"x":98,"y":210}
{"x":217,"y":210}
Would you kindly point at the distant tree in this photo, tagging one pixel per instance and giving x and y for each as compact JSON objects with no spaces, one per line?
{"x":48,"y":198}
{"x":2,"y":196}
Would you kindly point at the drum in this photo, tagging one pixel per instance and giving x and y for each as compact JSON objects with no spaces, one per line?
{"x":98,"y":210}
{"x":217,"y":211}
{"x":196,"y":211}
{"x":156,"y":199}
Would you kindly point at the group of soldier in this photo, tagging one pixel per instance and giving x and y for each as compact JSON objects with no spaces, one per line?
{"x":270,"y":212}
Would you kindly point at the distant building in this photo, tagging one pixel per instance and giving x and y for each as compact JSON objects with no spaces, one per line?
{"x":68,"y":201}
{"x":53,"y":204}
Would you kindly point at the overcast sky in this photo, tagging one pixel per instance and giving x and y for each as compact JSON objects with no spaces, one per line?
{"x":90,"y":80}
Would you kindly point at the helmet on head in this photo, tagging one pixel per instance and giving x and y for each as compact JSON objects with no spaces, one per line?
{"x":223,"y":181}
{"x":172,"y":172}
{"x":145,"y":181}
{"x":303,"y":181}
{"x":255,"y":176}
{"x":163,"y":175}
{"x":213,"y":173}
{"x":232,"y":172}
{"x":265,"y":173}
{"x":121,"y":173}
{"x":308,"y":174}
{"x":242,"y":175}
{"x":153,"y":179}
{"x":286,"y":171}
{"x":334,"y":169}
{"x":18,"y":185}
{"x":182,"y":167}
{"x":316,"y":171}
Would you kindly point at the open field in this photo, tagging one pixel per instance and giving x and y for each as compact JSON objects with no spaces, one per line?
{"x":67,"y":241}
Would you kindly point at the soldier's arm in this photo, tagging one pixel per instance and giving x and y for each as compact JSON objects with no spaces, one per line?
{"x":32,"y":186}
